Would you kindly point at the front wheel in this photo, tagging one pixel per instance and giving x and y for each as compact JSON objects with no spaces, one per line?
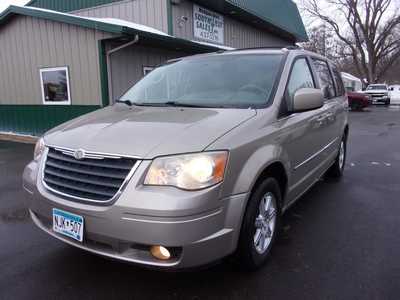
{"x":260,"y":225}
{"x":356,"y":107}
{"x":337,"y":169}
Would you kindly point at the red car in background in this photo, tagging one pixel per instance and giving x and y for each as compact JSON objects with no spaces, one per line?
{"x":358,"y":101}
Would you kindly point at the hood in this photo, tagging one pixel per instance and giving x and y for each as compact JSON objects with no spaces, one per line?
{"x":376,"y":91}
{"x":147,"y":132}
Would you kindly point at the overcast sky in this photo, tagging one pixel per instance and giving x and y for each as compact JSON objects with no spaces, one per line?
{"x":5,"y":3}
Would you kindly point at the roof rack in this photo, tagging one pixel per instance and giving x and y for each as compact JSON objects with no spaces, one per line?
{"x":289,"y":47}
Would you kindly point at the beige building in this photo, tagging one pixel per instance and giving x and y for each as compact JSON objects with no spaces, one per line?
{"x":60,"y":59}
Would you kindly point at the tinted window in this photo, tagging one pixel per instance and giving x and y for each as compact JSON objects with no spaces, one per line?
{"x":301,"y":77}
{"x":376,"y":87}
{"x":210,"y":81}
{"x":325,"y":78}
{"x":339,"y":83}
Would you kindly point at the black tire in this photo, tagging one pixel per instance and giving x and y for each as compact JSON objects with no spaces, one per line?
{"x":356,"y":107}
{"x":247,"y":255}
{"x":387,"y":103}
{"x":337,"y":169}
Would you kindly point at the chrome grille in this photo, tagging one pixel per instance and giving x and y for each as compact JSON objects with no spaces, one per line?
{"x":96,"y":178}
{"x":378,"y":95}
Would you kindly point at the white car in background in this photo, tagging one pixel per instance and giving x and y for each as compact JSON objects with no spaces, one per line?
{"x":379,"y":93}
{"x":394,"y":94}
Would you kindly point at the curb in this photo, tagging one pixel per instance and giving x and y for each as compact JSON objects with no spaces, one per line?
{"x":18,"y":138}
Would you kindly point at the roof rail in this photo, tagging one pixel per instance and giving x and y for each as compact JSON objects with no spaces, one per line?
{"x":294,"y":47}
{"x":289,"y":47}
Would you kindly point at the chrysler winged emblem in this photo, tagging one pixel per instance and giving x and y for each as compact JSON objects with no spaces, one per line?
{"x":79,"y":154}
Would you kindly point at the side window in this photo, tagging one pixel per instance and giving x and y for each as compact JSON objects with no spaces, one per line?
{"x":300,"y":77}
{"x":325,"y":78}
{"x":340,"y":91}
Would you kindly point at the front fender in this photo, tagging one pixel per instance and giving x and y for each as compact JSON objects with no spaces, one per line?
{"x":244,"y":170}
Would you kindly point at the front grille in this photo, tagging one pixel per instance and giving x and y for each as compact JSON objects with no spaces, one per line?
{"x":95,"y":179}
{"x":378,"y":95}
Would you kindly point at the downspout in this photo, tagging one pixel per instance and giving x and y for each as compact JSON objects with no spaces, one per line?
{"x":108,"y":58}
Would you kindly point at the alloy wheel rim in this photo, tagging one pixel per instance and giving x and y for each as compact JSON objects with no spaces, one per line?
{"x":265,"y":223}
{"x":341,"y":155}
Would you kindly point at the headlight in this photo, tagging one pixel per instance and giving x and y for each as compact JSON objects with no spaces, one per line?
{"x":188,"y":172}
{"x":39,"y":149}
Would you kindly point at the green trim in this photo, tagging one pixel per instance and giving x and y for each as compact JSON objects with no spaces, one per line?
{"x":283,"y":14}
{"x":59,"y":17}
{"x":68,"y":5}
{"x":170,"y":18}
{"x":103,"y":74}
{"x":37,"y":119}
{"x":30,"y":3}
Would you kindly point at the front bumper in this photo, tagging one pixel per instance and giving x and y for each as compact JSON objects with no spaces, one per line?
{"x":200,"y":227}
{"x":380,"y":99}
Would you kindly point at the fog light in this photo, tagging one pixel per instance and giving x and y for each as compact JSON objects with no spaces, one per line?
{"x":160,"y":252}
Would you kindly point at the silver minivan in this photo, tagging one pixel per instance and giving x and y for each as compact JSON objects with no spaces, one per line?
{"x":196,"y":162}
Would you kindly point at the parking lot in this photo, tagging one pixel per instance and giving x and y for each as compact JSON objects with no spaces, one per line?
{"x":340,"y":241}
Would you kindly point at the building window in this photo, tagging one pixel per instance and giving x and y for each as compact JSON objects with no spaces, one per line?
{"x":55,"y":86}
{"x":147,"y":70}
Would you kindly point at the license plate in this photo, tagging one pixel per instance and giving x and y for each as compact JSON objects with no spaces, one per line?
{"x":68,"y":224}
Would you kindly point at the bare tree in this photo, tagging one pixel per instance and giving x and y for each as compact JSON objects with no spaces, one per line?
{"x":369,"y":29}
{"x":323,"y":40}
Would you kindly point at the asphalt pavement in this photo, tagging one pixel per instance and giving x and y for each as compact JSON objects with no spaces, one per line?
{"x":340,"y":241}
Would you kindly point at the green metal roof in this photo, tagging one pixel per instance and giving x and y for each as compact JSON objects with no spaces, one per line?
{"x":67,"y":5}
{"x":281,"y":17}
{"x":96,"y":24}
{"x":281,"y":13}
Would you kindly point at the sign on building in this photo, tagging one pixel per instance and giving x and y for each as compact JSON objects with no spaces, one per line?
{"x":208,"y":25}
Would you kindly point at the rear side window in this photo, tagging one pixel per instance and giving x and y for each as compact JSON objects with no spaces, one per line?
{"x":300,"y":77}
{"x":325,"y":78}
{"x":340,"y":91}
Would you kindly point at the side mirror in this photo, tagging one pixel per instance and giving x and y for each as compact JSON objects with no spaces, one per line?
{"x":307,"y":99}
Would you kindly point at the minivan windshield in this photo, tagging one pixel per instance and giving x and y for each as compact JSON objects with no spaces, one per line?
{"x":376,"y":87}
{"x":236,"y":80}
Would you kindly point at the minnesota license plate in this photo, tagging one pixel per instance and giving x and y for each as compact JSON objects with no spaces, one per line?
{"x":68,"y":224}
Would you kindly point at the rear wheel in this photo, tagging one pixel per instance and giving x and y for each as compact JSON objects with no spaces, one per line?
{"x":260,"y":225}
{"x":356,"y":107}
{"x":337,"y":169}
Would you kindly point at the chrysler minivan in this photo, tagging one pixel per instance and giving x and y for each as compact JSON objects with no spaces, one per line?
{"x":196,"y":162}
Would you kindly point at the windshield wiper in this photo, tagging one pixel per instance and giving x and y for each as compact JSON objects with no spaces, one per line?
{"x":126,"y":102}
{"x":168,"y":103}
{"x":180,"y":104}
{"x":163,"y":104}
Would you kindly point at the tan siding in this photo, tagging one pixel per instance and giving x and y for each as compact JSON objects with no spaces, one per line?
{"x":127,"y":65}
{"x":28,"y":44}
{"x":237,"y":34}
{"x":152,"y":13}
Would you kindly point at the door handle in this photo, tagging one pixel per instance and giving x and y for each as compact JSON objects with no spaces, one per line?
{"x":330,"y":116}
{"x":319,"y":121}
